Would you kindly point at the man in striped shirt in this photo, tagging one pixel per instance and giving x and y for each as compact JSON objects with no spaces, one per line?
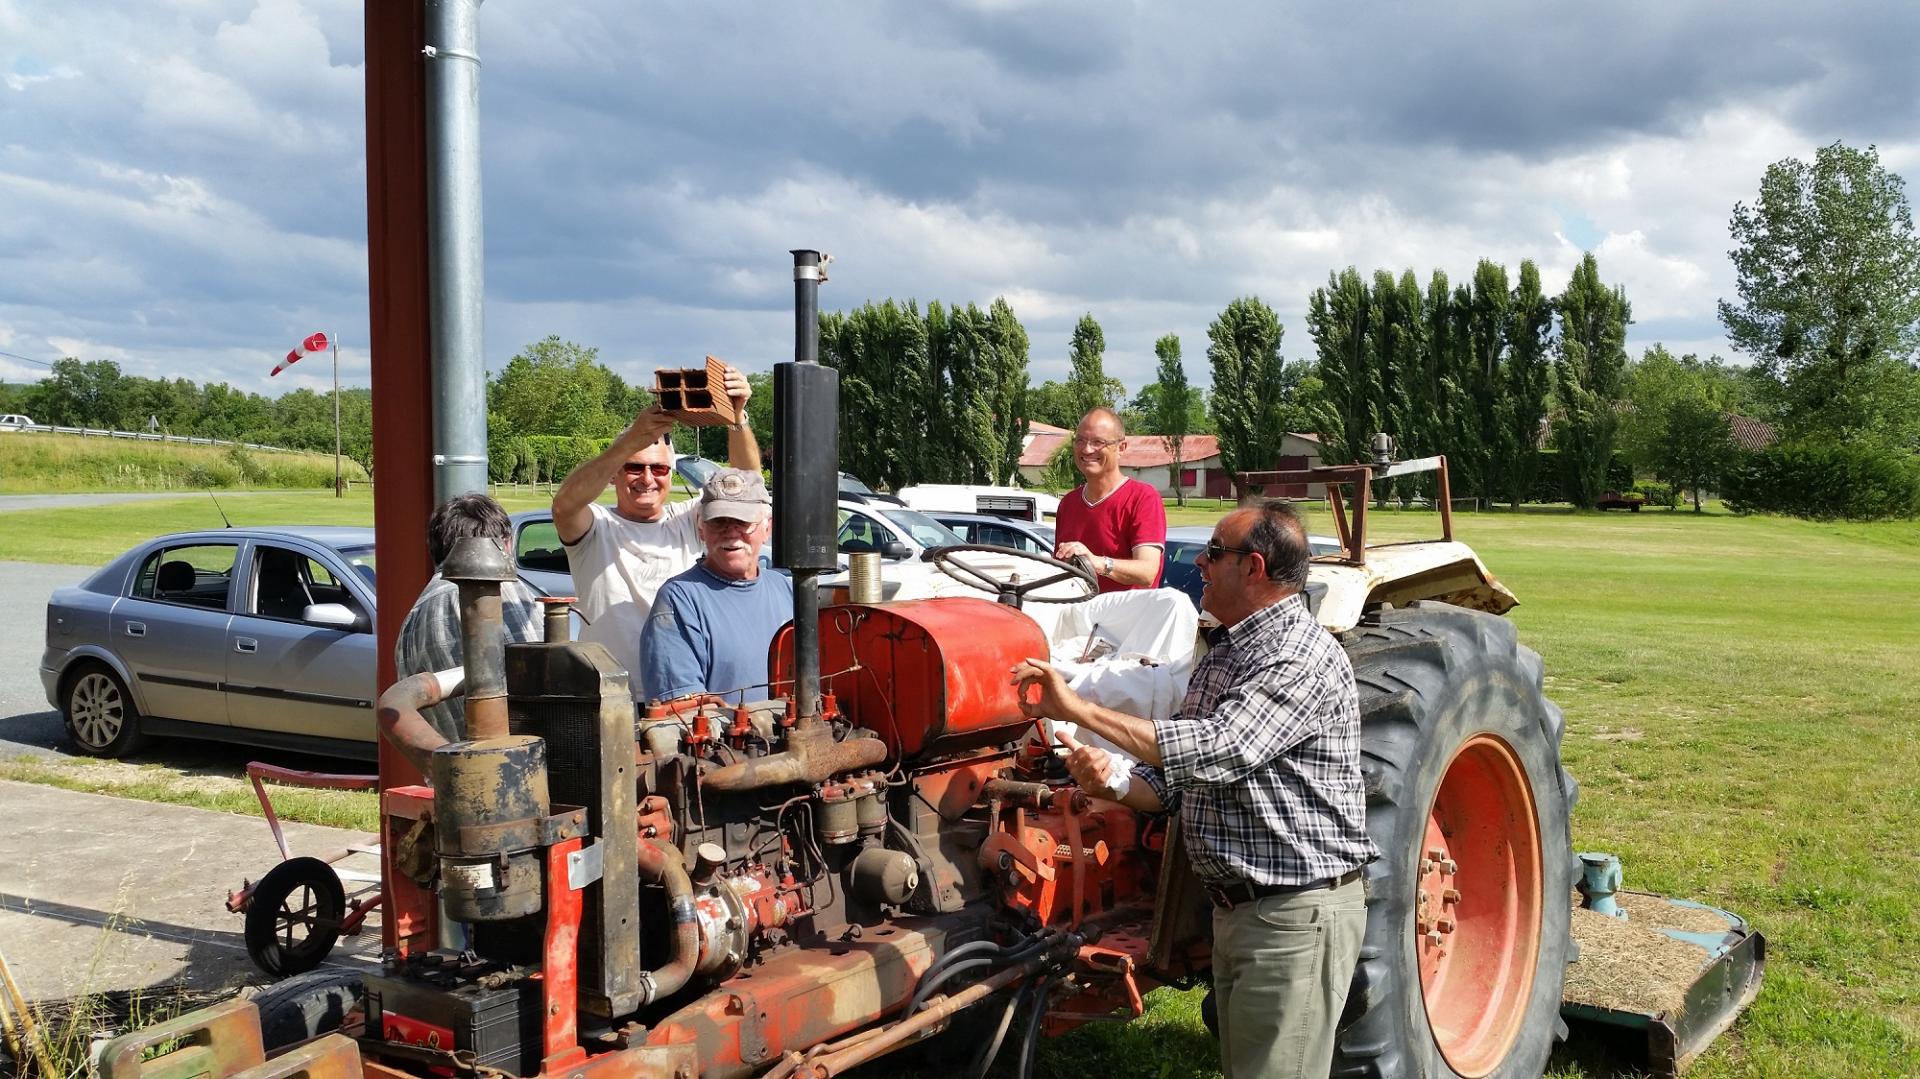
{"x":1262,"y":762}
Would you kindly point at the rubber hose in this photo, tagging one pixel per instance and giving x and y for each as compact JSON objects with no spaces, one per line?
{"x":983,"y":1061}
{"x":1030,"y":1041}
{"x":948,"y":959}
{"x":928,"y":985}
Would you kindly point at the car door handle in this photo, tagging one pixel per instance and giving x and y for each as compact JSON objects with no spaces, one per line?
{"x":136,"y":629}
{"x":246,"y":644}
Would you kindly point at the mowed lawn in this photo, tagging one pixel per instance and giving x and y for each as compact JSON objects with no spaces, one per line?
{"x":1741,"y":698}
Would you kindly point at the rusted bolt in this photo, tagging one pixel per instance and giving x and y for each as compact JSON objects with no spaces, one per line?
{"x":1434,"y":938}
{"x":1451,"y":895}
{"x":1436,"y":854}
{"x":1449,"y":867}
{"x":1006,"y":860}
{"x":1426,"y":866}
{"x":1446,"y":925}
{"x":553,"y":1009}
{"x":1420,"y":925}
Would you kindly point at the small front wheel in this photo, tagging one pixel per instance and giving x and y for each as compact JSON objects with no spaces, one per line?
{"x":293,"y":916}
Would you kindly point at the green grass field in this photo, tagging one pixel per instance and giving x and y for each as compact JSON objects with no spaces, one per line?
{"x":37,"y":463}
{"x":1741,"y":717}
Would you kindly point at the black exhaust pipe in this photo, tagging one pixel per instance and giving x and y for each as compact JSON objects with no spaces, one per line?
{"x":806,"y":487}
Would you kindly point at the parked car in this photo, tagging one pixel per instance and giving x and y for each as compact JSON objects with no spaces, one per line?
{"x":258,"y":635}
{"x":263,"y":636}
{"x":999,"y":531}
{"x":13,"y":421}
{"x":1184,"y":544}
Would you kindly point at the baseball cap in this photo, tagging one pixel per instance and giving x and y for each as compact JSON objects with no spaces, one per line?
{"x":736,"y":494}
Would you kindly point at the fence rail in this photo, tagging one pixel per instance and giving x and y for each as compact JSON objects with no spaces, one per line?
{"x":141,"y":436}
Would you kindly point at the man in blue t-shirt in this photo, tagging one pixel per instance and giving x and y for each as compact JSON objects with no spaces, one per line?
{"x":711,"y":626}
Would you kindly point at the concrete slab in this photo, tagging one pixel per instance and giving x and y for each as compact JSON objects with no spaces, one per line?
{"x":100,"y":893}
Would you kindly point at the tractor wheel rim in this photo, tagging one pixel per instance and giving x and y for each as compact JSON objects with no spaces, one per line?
{"x":1477,"y":911}
{"x":98,"y":711}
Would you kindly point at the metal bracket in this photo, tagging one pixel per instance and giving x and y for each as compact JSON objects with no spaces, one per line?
{"x":586,"y":865}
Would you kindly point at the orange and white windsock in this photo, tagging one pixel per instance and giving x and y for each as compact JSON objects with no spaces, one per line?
{"x":314,"y":343}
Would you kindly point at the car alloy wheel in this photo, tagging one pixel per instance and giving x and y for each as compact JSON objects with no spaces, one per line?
{"x":99,"y":710}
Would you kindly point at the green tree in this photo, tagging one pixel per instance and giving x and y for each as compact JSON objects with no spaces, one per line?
{"x":881,"y":351}
{"x":1526,"y":381}
{"x":1588,"y":366}
{"x":1489,"y":315}
{"x":1695,"y":445}
{"x":1008,"y":340}
{"x":1340,"y":324}
{"x":556,"y":387}
{"x":1255,"y":395}
{"x":1172,"y":416}
{"x":1052,"y":403}
{"x":1827,"y":267}
{"x":1088,"y":386}
{"x":90,"y":393}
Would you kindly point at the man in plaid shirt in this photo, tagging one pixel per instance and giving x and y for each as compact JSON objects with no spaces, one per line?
{"x":1262,"y":762}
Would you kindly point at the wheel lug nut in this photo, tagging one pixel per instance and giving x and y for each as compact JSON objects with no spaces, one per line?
{"x":1449,"y":867}
{"x":1436,"y":854}
{"x":1451,"y":895}
{"x":1446,"y":925}
{"x":1426,"y":866}
{"x":1434,"y":938}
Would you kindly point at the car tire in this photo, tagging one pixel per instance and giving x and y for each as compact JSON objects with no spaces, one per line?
{"x":99,"y":713}
{"x":300,"y":895}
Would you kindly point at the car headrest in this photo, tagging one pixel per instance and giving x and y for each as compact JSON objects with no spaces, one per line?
{"x":175,"y":577}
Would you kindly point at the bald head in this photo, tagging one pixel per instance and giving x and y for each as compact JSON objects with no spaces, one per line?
{"x":1107,"y":422}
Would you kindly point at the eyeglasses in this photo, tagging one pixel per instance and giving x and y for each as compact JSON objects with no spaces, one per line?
{"x":1096,"y":443}
{"x":1217,"y":550}
{"x":635,"y":468}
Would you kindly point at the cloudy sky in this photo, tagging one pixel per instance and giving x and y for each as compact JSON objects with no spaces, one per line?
{"x":182,"y":182}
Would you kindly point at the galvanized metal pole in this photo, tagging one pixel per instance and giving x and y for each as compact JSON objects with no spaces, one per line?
{"x":456,"y":281}
{"x":339,"y":489}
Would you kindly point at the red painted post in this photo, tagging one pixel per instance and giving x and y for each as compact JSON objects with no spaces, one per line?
{"x":399,"y":337}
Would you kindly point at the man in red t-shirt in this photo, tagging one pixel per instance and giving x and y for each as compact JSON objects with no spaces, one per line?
{"x":1120,"y":524}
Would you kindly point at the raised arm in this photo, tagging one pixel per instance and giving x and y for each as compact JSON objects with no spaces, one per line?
{"x":572,"y":515}
{"x":743,"y":450}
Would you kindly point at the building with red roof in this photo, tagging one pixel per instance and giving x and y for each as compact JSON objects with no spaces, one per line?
{"x":1149,"y":458}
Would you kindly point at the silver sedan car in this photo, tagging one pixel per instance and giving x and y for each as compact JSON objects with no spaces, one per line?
{"x":256,"y":635}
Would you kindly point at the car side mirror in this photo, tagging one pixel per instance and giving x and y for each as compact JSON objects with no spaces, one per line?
{"x":332,"y":615}
{"x":894,"y":551}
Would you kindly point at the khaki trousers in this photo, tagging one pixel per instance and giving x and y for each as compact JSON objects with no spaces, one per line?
{"x":1281,"y":970}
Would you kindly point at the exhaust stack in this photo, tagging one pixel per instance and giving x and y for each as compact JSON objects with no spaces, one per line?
{"x":806,"y":406}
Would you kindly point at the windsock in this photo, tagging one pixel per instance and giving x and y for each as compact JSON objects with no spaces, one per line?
{"x":314,"y":343}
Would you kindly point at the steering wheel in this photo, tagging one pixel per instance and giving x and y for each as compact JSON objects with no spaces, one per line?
{"x":1015,"y":591}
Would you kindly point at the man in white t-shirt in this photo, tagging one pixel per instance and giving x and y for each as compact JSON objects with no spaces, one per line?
{"x":621,"y":555}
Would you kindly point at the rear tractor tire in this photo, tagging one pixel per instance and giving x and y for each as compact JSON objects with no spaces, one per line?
{"x":1467,"y":939}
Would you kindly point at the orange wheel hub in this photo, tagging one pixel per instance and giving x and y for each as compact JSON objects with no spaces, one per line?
{"x":1478,"y":905}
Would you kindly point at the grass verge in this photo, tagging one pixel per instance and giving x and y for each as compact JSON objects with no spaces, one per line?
{"x":34,"y":463}
{"x":358,"y":810}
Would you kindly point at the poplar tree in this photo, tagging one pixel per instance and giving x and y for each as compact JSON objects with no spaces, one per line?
{"x":1588,"y":364}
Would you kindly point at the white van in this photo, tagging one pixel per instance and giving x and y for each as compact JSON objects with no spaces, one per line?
{"x":1015,"y":502}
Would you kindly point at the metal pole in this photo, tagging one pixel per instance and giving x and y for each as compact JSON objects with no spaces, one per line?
{"x":454,"y":248}
{"x":339,"y":489}
{"x":806,"y":581}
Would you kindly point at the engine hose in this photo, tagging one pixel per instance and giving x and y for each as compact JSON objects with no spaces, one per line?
{"x":1030,"y":1040}
{"x":928,"y":985}
{"x":948,"y":959}
{"x":983,"y":1061}
{"x":664,"y":866}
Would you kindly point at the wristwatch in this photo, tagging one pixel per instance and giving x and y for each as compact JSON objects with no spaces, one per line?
{"x":1108,"y":572}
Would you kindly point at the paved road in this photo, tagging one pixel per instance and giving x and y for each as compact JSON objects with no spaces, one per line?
{"x":43,"y":502}
{"x":27,"y":725}
{"x":100,"y":894}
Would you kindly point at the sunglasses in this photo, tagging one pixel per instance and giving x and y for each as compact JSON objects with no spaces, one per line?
{"x":1217,"y":550}
{"x":635,"y":468}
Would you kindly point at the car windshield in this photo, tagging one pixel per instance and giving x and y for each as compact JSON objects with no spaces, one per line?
{"x":925,"y":531}
{"x":853,"y":485}
{"x":696,"y":471}
{"x":361,"y":559}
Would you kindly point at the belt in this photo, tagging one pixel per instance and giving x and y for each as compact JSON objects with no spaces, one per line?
{"x":1233,"y":893}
